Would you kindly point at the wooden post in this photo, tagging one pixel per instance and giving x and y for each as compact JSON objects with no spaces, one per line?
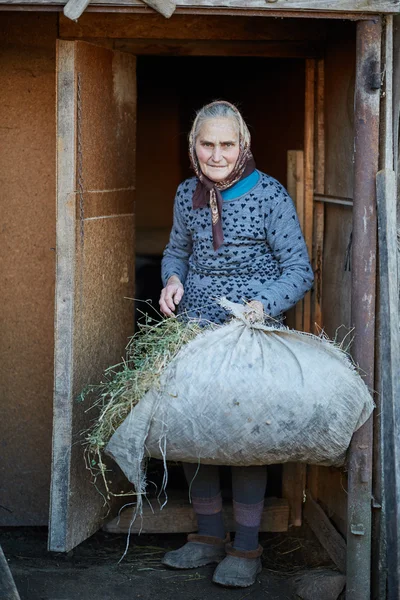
{"x":295,"y":187}
{"x":309,"y":175}
{"x":319,"y":209}
{"x":389,"y":380}
{"x":366,"y":148}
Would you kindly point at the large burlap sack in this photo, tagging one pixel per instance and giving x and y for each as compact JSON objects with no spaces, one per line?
{"x":247,"y":394}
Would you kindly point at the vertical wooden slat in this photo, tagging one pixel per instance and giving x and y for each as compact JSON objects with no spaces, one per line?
{"x":293,"y":489}
{"x":363,"y":292}
{"x":319,"y":209}
{"x":386,"y":464}
{"x":309,"y":173}
{"x":295,"y":186}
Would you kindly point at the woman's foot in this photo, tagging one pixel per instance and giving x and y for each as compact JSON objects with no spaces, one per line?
{"x":200,"y":550}
{"x":240,"y":567}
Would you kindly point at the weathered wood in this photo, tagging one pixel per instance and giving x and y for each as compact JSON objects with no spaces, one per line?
{"x":317,"y":584}
{"x":339,"y":6}
{"x":178,"y":517}
{"x":379,"y":554}
{"x":295,"y":187}
{"x":265,"y":49}
{"x":325,"y":532}
{"x":389,"y":346}
{"x":293,"y":488}
{"x":8,"y":589}
{"x":309,"y":129}
{"x":319,"y":209}
{"x":96,"y":118}
{"x":73,"y":9}
{"x":333,"y":200}
{"x":363,"y":298}
{"x":189,"y":27}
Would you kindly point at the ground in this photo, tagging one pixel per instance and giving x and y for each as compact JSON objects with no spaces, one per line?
{"x":92,"y":571}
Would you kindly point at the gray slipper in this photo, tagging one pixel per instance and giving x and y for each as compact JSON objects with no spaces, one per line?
{"x":200,"y":550}
{"x":240,"y":568}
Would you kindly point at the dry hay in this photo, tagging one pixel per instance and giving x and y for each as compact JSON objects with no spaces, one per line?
{"x":148,"y":353}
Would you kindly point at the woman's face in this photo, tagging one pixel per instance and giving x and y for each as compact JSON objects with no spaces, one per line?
{"x":217,"y":148}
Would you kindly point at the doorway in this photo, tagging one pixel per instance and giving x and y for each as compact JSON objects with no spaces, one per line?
{"x":268,"y":91}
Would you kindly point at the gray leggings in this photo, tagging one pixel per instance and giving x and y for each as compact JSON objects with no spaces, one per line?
{"x":248,"y":483}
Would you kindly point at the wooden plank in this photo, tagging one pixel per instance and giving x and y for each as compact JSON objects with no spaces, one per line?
{"x":363,"y":298}
{"x":295,"y":186}
{"x":8,"y":589}
{"x":319,"y":209}
{"x":339,"y":6}
{"x":325,"y":532}
{"x":389,"y":346}
{"x":265,"y":49}
{"x":309,"y":128}
{"x":192,"y":27}
{"x":293,"y":489}
{"x":178,"y":517}
{"x":96,"y":123}
{"x":379,"y":555}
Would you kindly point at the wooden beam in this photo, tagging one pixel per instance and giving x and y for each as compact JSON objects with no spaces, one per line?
{"x":188,"y":27}
{"x":325,"y":532}
{"x":309,"y":128}
{"x":178,"y":517}
{"x":295,"y":187}
{"x":389,"y":358}
{"x":319,"y":209}
{"x":293,"y":488}
{"x":341,"y":8}
{"x":265,"y":49}
{"x":363,"y":298}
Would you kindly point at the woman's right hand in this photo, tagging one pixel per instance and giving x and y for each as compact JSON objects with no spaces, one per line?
{"x":171,"y":295}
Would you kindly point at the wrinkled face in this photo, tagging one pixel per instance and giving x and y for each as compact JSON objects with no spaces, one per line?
{"x":217,"y":148}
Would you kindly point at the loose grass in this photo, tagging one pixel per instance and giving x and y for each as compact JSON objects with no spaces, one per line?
{"x":148,"y":353}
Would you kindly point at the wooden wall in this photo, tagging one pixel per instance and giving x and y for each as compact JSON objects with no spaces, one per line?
{"x":27,"y":166}
{"x":329,"y":484}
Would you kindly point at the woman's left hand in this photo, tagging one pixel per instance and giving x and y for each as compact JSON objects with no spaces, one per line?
{"x":255,"y":311}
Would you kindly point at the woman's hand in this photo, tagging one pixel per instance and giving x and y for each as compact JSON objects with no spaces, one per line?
{"x":171,"y":295}
{"x":255,"y":311}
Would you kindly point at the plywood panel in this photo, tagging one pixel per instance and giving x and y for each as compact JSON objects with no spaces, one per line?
{"x":27,"y":263}
{"x":96,"y":132}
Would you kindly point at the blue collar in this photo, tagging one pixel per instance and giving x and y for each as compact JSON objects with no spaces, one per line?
{"x":241,"y":187}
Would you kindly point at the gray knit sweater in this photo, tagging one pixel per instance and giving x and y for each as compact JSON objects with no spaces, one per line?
{"x":263,"y":257}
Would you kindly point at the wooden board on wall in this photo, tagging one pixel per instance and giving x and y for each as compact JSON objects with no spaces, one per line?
{"x":339,"y":6}
{"x":190,"y":27}
{"x":96,"y":125}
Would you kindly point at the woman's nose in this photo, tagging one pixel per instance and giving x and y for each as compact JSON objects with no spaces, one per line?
{"x":216,"y":155}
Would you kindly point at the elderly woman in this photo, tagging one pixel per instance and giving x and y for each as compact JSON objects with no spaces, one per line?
{"x":235,"y":234}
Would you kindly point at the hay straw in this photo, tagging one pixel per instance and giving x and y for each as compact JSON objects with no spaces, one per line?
{"x":148,"y":353}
